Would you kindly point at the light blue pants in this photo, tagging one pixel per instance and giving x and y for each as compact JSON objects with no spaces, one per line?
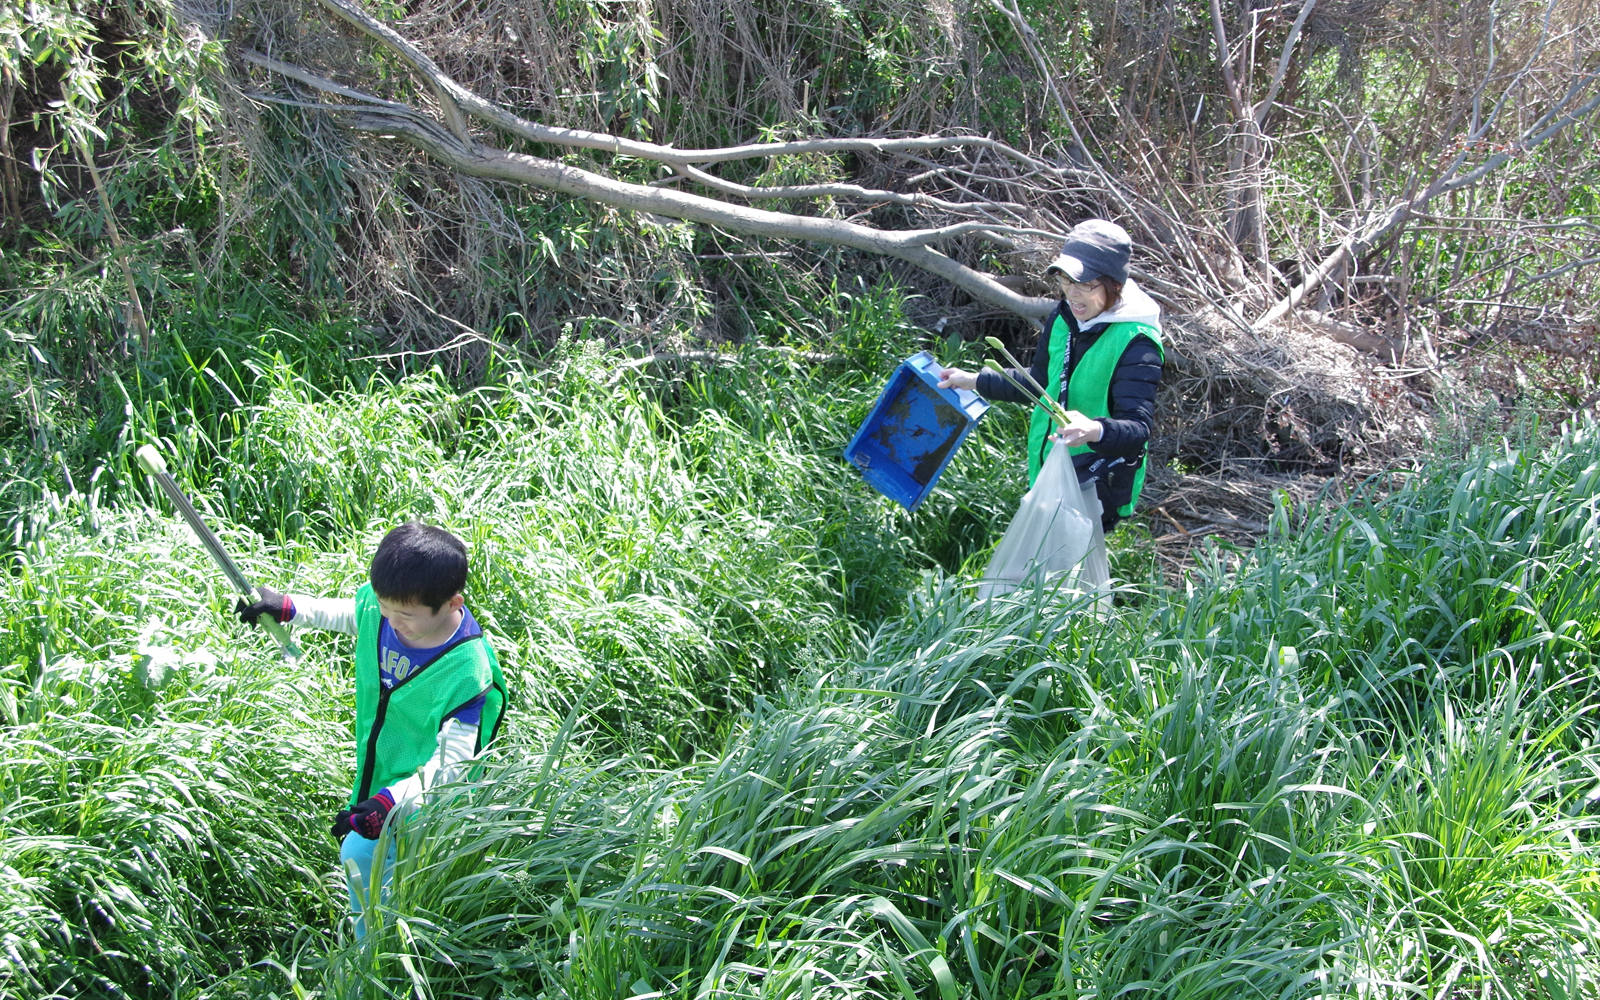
{"x":360,"y":850}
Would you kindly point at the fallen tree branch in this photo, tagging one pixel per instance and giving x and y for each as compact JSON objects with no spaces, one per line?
{"x":460,"y":151}
{"x":1351,"y":335}
{"x":492,"y":163}
{"x":452,"y":93}
{"x":854,"y":191}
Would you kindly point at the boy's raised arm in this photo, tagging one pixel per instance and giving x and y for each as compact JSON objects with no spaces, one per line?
{"x":336,"y":614}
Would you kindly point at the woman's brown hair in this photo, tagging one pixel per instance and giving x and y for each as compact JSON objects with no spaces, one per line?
{"x":1113,"y":292}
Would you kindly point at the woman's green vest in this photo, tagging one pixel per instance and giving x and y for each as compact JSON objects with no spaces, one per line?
{"x":1089,"y":391}
{"x":397,"y":729}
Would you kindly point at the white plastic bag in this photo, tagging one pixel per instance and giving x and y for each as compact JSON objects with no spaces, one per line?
{"x":1056,"y":534}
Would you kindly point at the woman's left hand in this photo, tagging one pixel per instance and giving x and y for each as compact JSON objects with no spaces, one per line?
{"x":1079,"y":430}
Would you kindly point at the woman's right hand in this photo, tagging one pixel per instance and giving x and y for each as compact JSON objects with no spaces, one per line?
{"x":955,"y":378}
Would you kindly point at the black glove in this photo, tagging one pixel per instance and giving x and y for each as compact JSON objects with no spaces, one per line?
{"x":341,"y":825}
{"x":366,"y":818}
{"x":274,"y":605}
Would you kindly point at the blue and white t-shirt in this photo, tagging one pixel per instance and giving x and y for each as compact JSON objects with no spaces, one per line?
{"x":397,"y":661}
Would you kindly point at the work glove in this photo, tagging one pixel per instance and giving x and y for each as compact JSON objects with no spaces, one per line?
{"x":274,"y":605}
{"x":366,"y":818}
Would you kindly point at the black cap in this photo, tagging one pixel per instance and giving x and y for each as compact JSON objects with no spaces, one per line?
{"x":1094,"y":249}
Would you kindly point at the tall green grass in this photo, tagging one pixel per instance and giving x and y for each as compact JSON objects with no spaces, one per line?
{"x":1018,"y":798}
{"x":162,"y":791}
{"x":658,"y":550}
{"x":765,"y":741}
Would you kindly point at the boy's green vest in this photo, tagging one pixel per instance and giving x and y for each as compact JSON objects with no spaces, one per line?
{"x":1089,"y":392}
{"x":397,"y":729}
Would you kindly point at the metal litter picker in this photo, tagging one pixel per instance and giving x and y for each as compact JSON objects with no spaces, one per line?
{"x":151,"y":461}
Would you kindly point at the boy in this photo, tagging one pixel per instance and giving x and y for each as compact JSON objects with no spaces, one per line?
{"x":429,"y":694}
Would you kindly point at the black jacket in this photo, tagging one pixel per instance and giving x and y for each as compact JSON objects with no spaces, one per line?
{"x":1111,"y":462}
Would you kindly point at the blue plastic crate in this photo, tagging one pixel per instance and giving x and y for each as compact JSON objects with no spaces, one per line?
{"x":912,"y":431}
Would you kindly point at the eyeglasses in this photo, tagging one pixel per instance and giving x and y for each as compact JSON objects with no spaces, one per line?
{"x":1074,"y":289}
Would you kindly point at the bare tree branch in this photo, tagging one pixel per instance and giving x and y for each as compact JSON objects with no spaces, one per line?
{"x":1531,"y":138}
{"x":1265,"y":107}
{"x":500,"y":117}
{"x":488,"y":162}
{"x":320,"y":83}
{"x":852,"y":191}
{"x":1225,"y":61}
{"x":1030,"y":41}
{"x":1539,"y":132}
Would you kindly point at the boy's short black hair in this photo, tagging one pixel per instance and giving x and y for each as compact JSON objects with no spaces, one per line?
{"x":418,"y":563}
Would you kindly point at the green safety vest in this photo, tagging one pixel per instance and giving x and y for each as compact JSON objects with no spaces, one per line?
{"x":397,"y":729}
{"x":1089,"y":391}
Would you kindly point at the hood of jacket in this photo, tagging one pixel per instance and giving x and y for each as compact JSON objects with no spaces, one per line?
{"x":1135,"y":306}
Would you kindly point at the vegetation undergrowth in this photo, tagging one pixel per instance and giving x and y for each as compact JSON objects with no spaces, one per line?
{"x":662,"y":548}
{"x":1357,"y":762}
{"x":765,"y":741}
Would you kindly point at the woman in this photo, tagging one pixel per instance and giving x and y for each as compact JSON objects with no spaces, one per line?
{"x":1100,"y":356}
